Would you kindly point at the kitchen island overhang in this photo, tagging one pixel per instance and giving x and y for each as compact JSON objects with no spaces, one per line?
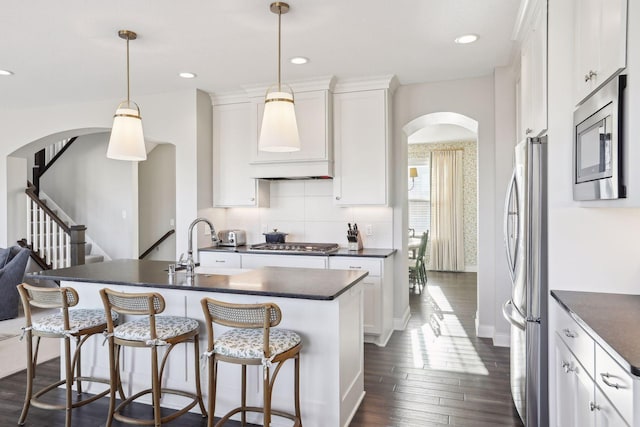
{"x":323,"y":306}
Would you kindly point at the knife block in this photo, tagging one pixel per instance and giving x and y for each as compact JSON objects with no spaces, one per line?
{"x":355,"y":242}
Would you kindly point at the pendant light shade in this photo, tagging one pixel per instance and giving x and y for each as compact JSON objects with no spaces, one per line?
{"x":127,"y":139}
{"x":279,"y":131}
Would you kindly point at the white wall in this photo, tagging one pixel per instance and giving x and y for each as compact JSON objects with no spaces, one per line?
{"x":305,"y":209}
{"x":474,"y":98}
{"x":168,"y":117}
{"x":157,"y":201}
{"x":97,"y":192}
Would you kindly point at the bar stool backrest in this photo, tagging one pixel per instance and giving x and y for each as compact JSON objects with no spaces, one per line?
{"x":247,"y":316}
{"x":36,"y":296}
{"x":138,"y":304}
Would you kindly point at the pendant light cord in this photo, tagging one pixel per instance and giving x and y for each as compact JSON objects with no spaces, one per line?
{"x":279,"y":45}
{"x":128,"y":99}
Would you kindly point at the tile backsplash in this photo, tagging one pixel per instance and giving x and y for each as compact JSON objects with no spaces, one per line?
{"x":305,"y":210}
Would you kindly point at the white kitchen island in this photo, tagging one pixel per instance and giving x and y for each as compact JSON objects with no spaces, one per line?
{"x":323,"y":306}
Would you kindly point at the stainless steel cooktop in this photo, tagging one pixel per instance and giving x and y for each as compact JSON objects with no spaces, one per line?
{"x":296,"y":247}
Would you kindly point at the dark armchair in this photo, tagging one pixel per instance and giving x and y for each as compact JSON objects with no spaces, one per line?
{"x":13,"y":262}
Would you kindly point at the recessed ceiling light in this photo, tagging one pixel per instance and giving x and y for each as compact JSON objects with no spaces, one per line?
{"x":187,"y":75}
{"x":299,"y":60}
{"x":467,"y":38}
{"x":6,"y":73}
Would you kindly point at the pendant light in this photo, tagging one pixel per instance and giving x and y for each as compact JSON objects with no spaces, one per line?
{"x":127,"y":140}
{"x":279,"y":131}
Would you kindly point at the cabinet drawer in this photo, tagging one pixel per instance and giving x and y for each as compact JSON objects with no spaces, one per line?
{"x":299,"y":261}
{"x":219,"y":259}
{"x":580,"y":344}
{"x":615,"y":382}
{"x":373,"y":266}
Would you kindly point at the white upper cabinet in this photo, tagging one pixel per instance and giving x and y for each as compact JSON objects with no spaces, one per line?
{"x":232,"y":182}
{"x":533,"y":75}
{"x":313,"y":116}
{"x":600,"y":38}
{"x":362,"y":153}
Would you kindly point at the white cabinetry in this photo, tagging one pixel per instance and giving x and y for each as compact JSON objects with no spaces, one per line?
{"x":591,"y":388}
{"x":362,"y":138}
{"x":533,"y":75}
{"x":232,"y":181}
{"x":219,"y":259}
{"x":303,"y":261}
{"x":600,"y":38}
{"x":378,"y":295}
{"x":313,"y":116}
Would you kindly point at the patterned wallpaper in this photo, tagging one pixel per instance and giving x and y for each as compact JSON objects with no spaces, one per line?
{"x":420,"y":153}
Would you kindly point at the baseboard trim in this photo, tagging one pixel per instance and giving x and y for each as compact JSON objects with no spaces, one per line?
{"x":502,"y":340}
{"x":400,"y":324}
{"x":484,"y":331}
{"x":471,"y":268}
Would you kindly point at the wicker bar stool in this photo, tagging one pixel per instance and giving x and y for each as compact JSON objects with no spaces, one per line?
{"x":251,"y":341}
{"x":79,"y":324}
{"x":150,"y":331}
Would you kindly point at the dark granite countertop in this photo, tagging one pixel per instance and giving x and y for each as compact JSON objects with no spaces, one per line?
{"x":366,"y":252}
{"x":302,"y":283}
{"x":610,"y":319}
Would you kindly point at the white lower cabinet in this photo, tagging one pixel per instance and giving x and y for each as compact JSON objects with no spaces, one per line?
{"x":591,"y":388}
{"x":378,"y":295}
{"x":219,"y":259}
{"x":302,"y":261}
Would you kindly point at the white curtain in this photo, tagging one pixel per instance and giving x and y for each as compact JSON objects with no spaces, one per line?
{"x":447,"y":240}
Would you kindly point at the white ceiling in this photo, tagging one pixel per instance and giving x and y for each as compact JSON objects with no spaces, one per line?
{"x":68,"y":51}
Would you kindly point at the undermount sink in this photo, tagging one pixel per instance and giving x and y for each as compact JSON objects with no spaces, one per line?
{"x":220,"y":271}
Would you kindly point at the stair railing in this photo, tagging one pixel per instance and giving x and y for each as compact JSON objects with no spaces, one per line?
{"x":54,"y":241}
{"x":157,"y":243}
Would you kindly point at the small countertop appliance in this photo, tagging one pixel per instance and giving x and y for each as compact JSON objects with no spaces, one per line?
{"x":232,"y":237}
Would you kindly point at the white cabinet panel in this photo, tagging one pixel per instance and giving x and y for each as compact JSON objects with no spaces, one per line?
{"x":565,"y":385}
{"x":232,"y":182}
{"x":533,"y":76}
{"x":361,"y":138}
{"x":304,"y":261}
{"x":219,"y":259}
{"x":600,"y":38}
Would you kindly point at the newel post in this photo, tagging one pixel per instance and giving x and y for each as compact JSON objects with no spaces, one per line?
{"x":76,"y":235}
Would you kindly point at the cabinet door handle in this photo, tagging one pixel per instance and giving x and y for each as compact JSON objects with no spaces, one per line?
{"x":593,"y":406}
{"x":337,"y":197}
{"x":605,"y":379}
{"x":568,"y":333}
{"x":219,"y":260}
{"x":355,"y":266}
{"x":590,"y":75}
{"x":567,"y":367}
{"x":528,"y":131}
{"x":252,"y":199}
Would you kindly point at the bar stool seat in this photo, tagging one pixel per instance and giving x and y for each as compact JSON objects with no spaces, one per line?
{"x":167,"y":327}
{"x":79,"y":324}
{"x":148,"y":331}
{"x":248,"y":343}
{"x":252,"y":340}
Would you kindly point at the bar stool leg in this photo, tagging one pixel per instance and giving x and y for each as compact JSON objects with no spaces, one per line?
{"x":213,"y":379}
{"x":78,"y":368}
{"x":30,"y":375}
{"x":243,"y":401}
{"x":155,"y":386}
{"x":114,"y":380}
{"x":297,"y":387}
{"x":267,"y":397}
{"x":196,"y":353}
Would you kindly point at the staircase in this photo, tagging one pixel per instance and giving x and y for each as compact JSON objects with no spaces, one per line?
{"x":90,"y":258}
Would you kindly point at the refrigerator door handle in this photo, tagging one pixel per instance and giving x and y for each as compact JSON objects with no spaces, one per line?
{"x":512,"y":189}
{"x":507,"y":313}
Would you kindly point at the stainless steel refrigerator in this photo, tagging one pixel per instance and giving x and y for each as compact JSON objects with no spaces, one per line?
{"x":525,"y":234}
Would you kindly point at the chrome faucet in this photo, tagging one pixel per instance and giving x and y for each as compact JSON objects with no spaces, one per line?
{"x":189,"y":264}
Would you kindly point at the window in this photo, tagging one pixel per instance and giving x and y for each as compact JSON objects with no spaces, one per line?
{"x":420,"y":200}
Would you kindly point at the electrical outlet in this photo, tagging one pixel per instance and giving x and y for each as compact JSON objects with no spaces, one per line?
{"x":369,"y":230}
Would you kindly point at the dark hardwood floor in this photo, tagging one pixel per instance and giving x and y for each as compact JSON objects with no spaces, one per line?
{"x":435,"y":373}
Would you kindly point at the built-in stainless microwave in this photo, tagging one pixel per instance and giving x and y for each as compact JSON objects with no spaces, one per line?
{"x":597,"y":144}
